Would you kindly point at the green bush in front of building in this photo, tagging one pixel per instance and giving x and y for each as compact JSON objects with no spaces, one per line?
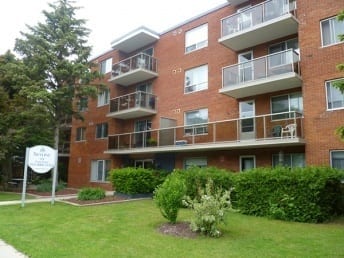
{"x":312,"y":194}
{"x":132,"y":180}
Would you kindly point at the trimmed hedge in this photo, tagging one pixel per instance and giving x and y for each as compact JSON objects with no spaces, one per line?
{"x":132,"y":180}
{"x":312,"y":194}
{"x":196,"y":178}
{"x":90,"y":193}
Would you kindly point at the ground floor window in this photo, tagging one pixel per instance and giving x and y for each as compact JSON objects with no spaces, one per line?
{"x":144,"y":163}
{"x":337,"y":159}
{"x":99,"y":170}
{"x":247,"y":162}
{"x":291,"y":160}
{"x":198,"y":162}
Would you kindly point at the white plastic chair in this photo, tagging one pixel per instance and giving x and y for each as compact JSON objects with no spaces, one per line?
{"x":289,"y":129}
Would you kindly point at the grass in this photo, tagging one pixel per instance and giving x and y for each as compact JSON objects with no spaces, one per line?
{"x":7,"y":196}
{"x":130,"y":230}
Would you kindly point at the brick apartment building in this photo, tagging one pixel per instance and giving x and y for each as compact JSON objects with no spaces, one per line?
{"x":246,"y":84}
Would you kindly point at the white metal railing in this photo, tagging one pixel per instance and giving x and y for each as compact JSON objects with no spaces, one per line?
{"x":139,"y":61}
{"x":263,"y":67}
{"x":138,"y":99}
{"x":268,"y":127}
{"x":255,"y":15}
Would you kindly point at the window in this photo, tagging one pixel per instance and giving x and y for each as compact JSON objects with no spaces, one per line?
{"x":196,"y":117}
{"x":83,"y":104}
{"x":145,"y":163}
{"x":291,"y":160}
{"x":81,"y":134}
{"x":106,"y":66}
{"x":330,"y":30}
{"x":196,"y":79}
{"x":335,"y":98}
{"x":101,"y":130}
{"x":286,"y":103}
{"x":247,"y":162}
{"x":196,"y":38}
{"x":99,"y":170}
{"x":337,"y":159}
{"x":103,"y":97}
{"x":198,"y":162}
{"x":282,"y":58}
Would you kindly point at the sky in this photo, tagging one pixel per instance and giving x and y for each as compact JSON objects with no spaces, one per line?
{"x":107,"y":19}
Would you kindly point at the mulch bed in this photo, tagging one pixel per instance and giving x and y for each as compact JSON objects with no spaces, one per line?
{"x":179,"y":229}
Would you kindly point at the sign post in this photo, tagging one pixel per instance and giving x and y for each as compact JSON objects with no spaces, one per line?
{"x":40,"y":159}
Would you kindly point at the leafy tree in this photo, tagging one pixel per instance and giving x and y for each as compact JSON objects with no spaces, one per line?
{"x":56,"y":56}
{"x":340,"y":84}
{"x":21,"y":123}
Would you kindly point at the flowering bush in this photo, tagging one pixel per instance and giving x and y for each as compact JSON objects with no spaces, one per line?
{"x":210,"y":209}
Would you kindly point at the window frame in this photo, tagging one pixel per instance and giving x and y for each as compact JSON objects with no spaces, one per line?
{"x":331,"y":157}
{"x":105,"y":66}
{"x":103,"y":127}
{"x":200,"y":43}
{"x":103,"y":98}
{"x":329,"y":83}
{"x":335,"y":37}
{"x":199,"y":129}
{"x":201,"y":162}
{"x":199,"y":86}
{"x":94,"y":175}
{"x":244,"y":157}
{"x":291,"y":158}
{"x":80,"y":135}
{"x":286,"y":115}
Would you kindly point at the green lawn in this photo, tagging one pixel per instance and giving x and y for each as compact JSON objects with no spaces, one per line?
{"x":7,"y":196}
{"x":130,"y":230}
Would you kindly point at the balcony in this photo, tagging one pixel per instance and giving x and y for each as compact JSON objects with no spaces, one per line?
{"x":134,"y":105}
{"x":275,"y":72}
{"x":258,"y":24}
{"x":134,"y":40}
{"x":264,"y":131}
{"x":236,"y":2}
{"x":138,"y":68}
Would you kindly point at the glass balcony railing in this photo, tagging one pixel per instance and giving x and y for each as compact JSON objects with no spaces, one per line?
{"x":256,"y":15}
{"x":138,"y":99}
{"x":139,"y":61}
{"x":264,"y":67}
{"x":262,"y":129}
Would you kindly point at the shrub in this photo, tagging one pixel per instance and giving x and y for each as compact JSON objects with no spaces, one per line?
{"x":210,"y":209}
{"x":45,"y":185}
{"x":309,"y":194}
{"x":196,"y":178}
{"x":168,"y":197}
{"x":132,"y":180}
{"x":90,"y":193}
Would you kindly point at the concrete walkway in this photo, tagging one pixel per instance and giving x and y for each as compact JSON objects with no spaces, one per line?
{"x":8,"y":251}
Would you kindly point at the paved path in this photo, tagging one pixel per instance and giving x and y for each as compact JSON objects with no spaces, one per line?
{"x":8,"y":251}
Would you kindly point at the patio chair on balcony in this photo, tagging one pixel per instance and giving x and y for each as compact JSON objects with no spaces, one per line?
{"x":290,"y":130}
{"x":276,"y":131}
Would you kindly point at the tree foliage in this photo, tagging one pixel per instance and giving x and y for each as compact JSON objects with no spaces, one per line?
{"x":340,"y":84}
{"x":56,"y":55}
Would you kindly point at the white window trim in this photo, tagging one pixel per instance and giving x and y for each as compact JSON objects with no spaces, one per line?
{"x":197,"y":43}
{"x":102,"y":128}
{"x":102,"y":100}
{"x":196,"y":85}
{"x":331,"y":152}
{"x":202,"y":159}
{"x":192,"y":125}
{"x":247,"y":156}
{"x":321,"y":34}
{"x":326,"y":94}
{"x":104,"y":179}
{"x":83,"y":129}
{"x":108,"y":66}
{"x":272,"y":114}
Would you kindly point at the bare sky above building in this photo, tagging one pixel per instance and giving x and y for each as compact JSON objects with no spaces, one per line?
{"x":107,"y":19}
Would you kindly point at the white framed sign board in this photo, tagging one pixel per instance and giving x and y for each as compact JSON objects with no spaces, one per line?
{"x":41,"y":159}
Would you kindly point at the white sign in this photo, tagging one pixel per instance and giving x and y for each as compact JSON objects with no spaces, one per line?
{"x":42,"y":158}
